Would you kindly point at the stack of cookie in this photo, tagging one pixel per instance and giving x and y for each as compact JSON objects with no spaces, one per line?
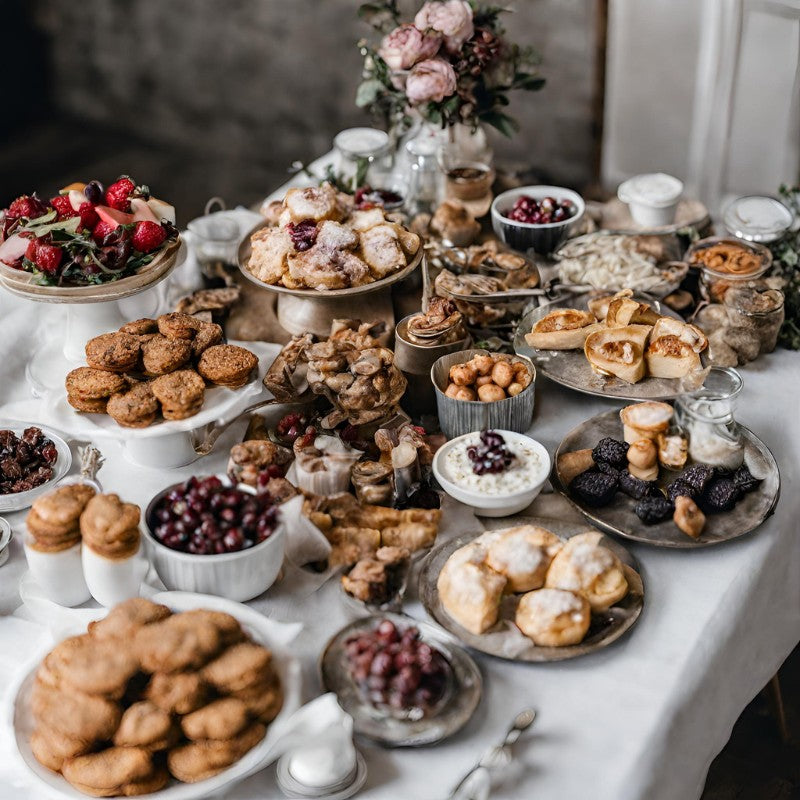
{"x":54,"y":519}
{"x":146,"y":694}
{"x":148,"y":365}
{"x":110,"y":527}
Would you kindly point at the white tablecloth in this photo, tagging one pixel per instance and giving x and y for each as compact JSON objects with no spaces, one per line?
{"x":641,"y":720}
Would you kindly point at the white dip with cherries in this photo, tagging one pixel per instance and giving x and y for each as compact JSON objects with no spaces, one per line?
{"x":526,"y":470}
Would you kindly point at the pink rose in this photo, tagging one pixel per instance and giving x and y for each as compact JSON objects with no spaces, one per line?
{"x":406,"y":45}
{"x":452,"y":18}
{"x":430,"y":80}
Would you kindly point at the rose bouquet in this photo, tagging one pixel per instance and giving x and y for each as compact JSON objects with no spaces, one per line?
{"x":452,"y":64}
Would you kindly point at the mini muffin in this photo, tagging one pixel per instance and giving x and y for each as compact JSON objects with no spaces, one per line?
{"x":161,"y":355}
{"x":115,"y":352}
{"x":180,"y":393}
{"x":176,"y":325}
{"x":136,"y":408}
{"x":85,"y":383}
{"x":227,"y":365}
{"x":207,"y":336}
{"x":140,"y":327}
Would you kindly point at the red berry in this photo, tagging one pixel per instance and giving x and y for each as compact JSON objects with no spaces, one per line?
{"x":30,"y":253}
{"x":88,"y":215}
{"x":101,"y":230}
{"x":26,"y":206}
{"x":48,"y":257}
{"x":62,"y":204}
{"x":118,"y":194}
{"x":148,"y":236}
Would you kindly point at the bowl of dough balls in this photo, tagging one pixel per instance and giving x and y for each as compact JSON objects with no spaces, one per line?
{"x":477,"y":390}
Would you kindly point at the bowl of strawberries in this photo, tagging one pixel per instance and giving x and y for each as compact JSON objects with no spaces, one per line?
{"x":88,"y":242}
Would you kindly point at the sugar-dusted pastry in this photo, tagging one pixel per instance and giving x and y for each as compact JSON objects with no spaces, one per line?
{"x":470,"y":591}
{"x":568,"y":465}
{"x":645,"y":420}
{"x":553,"y":617}
{"x":618,"y":351}
{"x":587,"y":568}
{"x":522,"y":554}
{"x":316,"y":203}
{"x":562,"y":329}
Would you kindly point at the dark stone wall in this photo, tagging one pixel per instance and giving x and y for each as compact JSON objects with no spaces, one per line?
{"x":238,"y":89}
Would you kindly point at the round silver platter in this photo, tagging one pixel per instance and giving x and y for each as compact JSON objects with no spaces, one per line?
{"x":504,"y":639}
{"x":570,"y":368}
{"x":619,"y":519}
{"x":450,"y":714}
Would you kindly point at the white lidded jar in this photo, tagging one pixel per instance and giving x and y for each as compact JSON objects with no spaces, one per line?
{"x":652,"y":198}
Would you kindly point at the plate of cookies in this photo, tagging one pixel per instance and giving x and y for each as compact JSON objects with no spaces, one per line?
{"x":542,"y":590}
{"x":177,"y":697}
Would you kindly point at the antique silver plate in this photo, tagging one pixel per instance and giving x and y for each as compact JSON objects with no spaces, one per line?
{"x":570,"y":368}
{"x":449,"y":715}
{"x":505,"y":640}
{"x":619,"y":519}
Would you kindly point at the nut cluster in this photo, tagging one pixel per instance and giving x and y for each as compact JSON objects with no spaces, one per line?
{"x":488,"y":378}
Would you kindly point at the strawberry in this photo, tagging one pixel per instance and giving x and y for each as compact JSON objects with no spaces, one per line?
{"x":26,"y":206}
{"x":147,"y":236}
{"x":88,"y":215}
{"x":47,"y":257}
{"x":118,"y":194}
{"x":101,"y":230}
{"x":30,"y":252}
{"x":62,"y":204}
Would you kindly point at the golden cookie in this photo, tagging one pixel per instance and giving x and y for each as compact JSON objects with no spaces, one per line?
{"x":136,"y":408}
{"x":173,"y":645}
{"x":176,"y":325}
{"x":126,"y":618}
{"x":177,"y":692}
{"x":197,"y":761}
{"x":180,"y":393}
{"x":115,"y":352}
{"x":227,"y":365}
{"x":74,"y":714}
{"x":144,"y":724}
{"x":52,"y":748}
{"x":263,"y":700}
{"x":87,"y":406}
{"x":207,"y":336}
{"x":222,"y":719}
{"x":240,"y":666}
{"x":140,"y":327}
{"x":104,"y":774}
{"x":85,"y":383}
{"x":161,"y":355}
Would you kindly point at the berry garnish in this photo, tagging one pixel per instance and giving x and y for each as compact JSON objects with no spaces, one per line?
{"x":63,"y":206}
{"x":291,"y":426}
{"x":491,"y":455}
{"x":101,"y":230}
{"x":303,"y":234}
{"x":119,"y":193}
{"x":26,"y":206}
{"x":148,"y":236}
{"x":26,"y":461}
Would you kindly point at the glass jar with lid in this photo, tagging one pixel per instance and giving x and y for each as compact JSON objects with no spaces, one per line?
{"x":757,"y":218}
{"x":707,"y":417}
{"x":358,"y":152}
{"x":757,"y":308}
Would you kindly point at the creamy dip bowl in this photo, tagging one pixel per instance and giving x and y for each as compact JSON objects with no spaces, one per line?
{"x":493,"y":494}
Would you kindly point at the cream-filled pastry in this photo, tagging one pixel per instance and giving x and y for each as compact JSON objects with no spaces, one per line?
{"x":618,"y":351}
{"x":587,"y":568}
{"x":553,"y":617}
{"x":522,"y":554}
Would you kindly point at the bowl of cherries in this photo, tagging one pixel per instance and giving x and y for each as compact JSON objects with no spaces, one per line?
{"x":211,"y":536}
{"x":536,"y":218}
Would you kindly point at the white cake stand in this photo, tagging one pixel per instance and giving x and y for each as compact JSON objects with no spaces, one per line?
{"x":311,"y":310}
{"x":88,"y":311}
{"x":167,"y":443}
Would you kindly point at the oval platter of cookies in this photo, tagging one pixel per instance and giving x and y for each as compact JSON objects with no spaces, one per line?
{"x":247,"y":650}
{"x":542,"y":590}
{"x":623,"y":346}
{"x":724,"y":504}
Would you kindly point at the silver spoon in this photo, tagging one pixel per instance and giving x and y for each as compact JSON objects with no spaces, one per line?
{"x":497,"y":756}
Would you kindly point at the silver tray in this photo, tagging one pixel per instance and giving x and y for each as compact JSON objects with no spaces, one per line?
{"x":452,"y":713}
{"x":571,"y":369}
{"x":618,"y":517}
{"x":505,"y":640}
{"x":245,"y":250}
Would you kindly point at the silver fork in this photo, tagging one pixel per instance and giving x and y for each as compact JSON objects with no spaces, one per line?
{"x":475,"y":784}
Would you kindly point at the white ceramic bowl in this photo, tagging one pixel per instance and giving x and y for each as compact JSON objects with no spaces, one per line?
{"x":492,"y":505}
{"x":18,"y":719}
{"x":652,"y":198}
{"x":241,"y":575}
{"x":544,"y":237}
